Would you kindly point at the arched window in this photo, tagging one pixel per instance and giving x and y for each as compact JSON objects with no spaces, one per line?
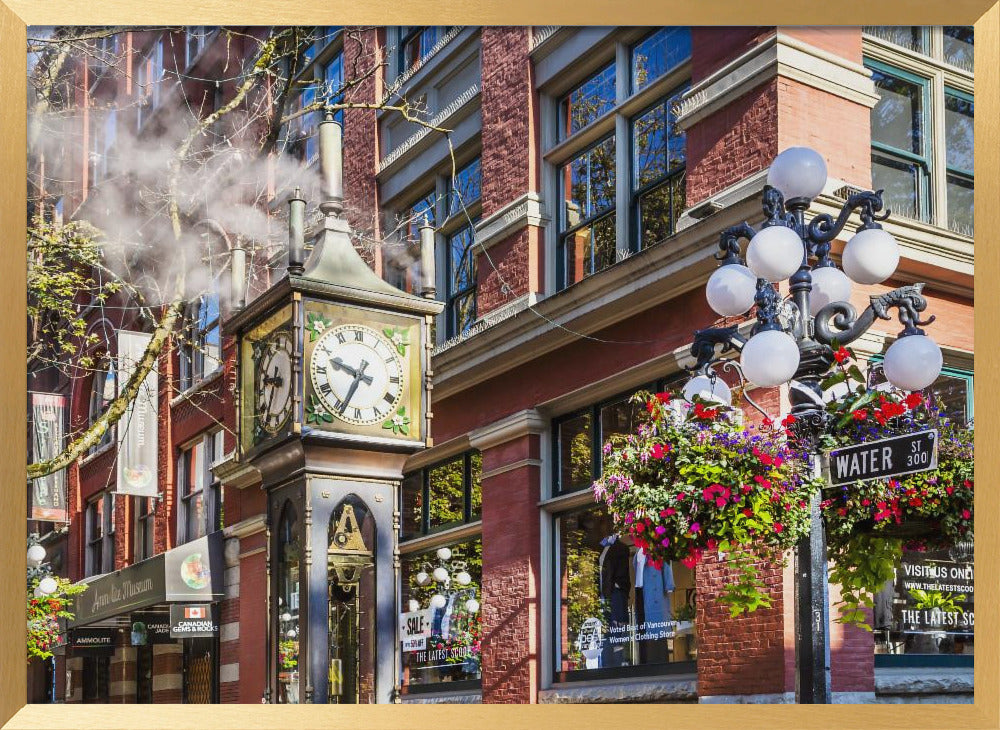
{"x":288,"y":564}
{"x":103,"y":389}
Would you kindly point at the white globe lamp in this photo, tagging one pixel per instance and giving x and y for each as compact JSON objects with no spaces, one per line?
{"x":463,"y":578}
{"x":769,"y":358}
{"x":414,"y":604}
{"x":444,"y":553}
{"x":472,"y":605}
{"x":913,"y":362}
{"x":47,"y":585}
{"x":438,"y":601}
{"x":871,"y":256}
{"x":440,"y":575}
{"x":712,"y":391}
{"x":422,"y":578}
{"x":775,"y":253}
{"x":798,"y":172}
{"x":730,"y":289}
{"x":286,"y":616}
{"x":828,"y":285}
{"x":36,"y":554}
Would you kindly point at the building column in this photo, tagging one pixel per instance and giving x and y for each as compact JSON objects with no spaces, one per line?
{"x":168,"y":673}
{"x":121,"y":689}
{"x":511,"y":557}
{"x":512,"y":214}
{"x":229,"y":626}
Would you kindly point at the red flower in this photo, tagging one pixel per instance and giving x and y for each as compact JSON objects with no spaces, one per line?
{"x":778,"y":527}
{"x":913,"y":400}
{"x":663,"y":397}
{"x":748,"y":512}
{"x":966,"y":514}
{"x":720,"y":502}
{"x":639,"y":526}
{"x":788,"y":420}
{"x":703,"y":413}
{"x":651,"y":406}
{"x":866,"y":502}
{"x":667,"y":512}
{"x":916,"y":502}
{"x":765,"y":459}
{"x":657,"y":451}
{"x":842,"y":355}
{"x":860,"y":414}
{"x":767,"y":422}
{"x":949,"y":490}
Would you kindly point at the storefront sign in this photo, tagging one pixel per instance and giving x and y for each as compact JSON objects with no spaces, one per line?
{"x":414,"y":628}
{"x":890,"y":457}
{"x":150,"y":628}
{"x":93,"y":641}
{"x":192,"y":621}
{"x":137,"y":429}
{"x":48,"y":419}
{"x":190,"y":572}
{"x":920,"y":581}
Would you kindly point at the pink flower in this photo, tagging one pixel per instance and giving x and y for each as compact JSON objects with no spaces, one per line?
{"x":778,"y":527}
{"x":667,"y":512}
{"x":656,"y":452}
{"x":966,"y":514}
{"x":695,"y":527}
{"x":660,"y":529}
{"x":665,"y":542}
{"x":720,"y":502}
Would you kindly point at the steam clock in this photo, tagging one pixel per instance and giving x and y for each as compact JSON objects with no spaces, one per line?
{"x":333,"y":396}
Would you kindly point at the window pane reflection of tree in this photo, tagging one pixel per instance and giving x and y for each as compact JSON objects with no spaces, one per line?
{"x":287,"y":668}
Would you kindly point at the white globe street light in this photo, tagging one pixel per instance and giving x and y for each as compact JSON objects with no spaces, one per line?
{"x":775,"y":253}
{"x":769,"y":358}
{"x":730,"y":290}
{"x":414,"y":604}
{"x":871,"y":256}
{"x":913,"y":362}
{"x":48,"y":585}
{"x":472,"y":605}
{"x":829,"y":285}
{"x":798,"y":172}
{"x":438,"y":601}
{"x":422,"y":578}
{"x":712,"y":390}
{"x":36,"y":554}
{"x":444,"y":553}
{"x":440,"y":575}
{"x":463,"y":578}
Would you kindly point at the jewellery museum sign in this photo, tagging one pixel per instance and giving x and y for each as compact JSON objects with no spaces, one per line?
{"x":189,"y":572}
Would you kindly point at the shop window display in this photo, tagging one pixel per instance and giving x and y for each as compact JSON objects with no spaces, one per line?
{"x":442,"y":496}
{"x":288,"y":608}
{"x":616,"y":610}
{"x":442,"y":588}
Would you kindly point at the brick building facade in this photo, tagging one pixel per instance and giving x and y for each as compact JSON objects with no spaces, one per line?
{"x":577,"y":300}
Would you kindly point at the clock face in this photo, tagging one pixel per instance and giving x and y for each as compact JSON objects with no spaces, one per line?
{"x":273,"y":391}
{"x":357,"y":374}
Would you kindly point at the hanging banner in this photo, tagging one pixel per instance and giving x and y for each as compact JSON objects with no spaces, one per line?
{"x":48,"y":431}
{"x":137,"y":429}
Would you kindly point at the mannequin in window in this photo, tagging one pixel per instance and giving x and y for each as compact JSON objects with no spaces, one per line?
{"x":616,"y":584}
{"x":653,"y":589}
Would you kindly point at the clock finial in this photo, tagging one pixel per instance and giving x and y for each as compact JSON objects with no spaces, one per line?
{"x":296,"y":232}
{"x":331,"y":165}
{"x":428,"y":287}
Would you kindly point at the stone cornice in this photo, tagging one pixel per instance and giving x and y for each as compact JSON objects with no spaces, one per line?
{"x":778,"y":55}
{"x":247,"y":527}
{"x":528,"y":210}
{"x":436,"y":453}
{"x":234,"y":473}
{"x":514,"y":426}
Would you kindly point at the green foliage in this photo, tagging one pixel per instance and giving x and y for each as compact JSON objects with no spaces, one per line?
{"x":681,"y":485}
{"x":399,"y":423}
{"x":43,"y":614}
{"x":928,"y":600}
{"x":62,"y":260}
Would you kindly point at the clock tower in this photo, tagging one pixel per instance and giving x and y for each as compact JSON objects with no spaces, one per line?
{"x":333,"y":395}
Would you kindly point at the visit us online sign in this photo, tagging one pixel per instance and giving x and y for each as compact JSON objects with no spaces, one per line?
{"x":889,"y":457}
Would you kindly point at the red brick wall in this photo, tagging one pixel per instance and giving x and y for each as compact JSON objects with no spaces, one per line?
{"x":712,"y":48}
{"x":844,"y":41}
{"x":733,"y":143}
{"x":514,"y":262}
{"x":362,"y":51}
{"x":252,"y":616}
{"x":168,"y":664}
{"x":509,"y":113}
{"x":511,"y":573}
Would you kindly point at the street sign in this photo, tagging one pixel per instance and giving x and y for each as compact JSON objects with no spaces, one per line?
{"x":891,"y":457}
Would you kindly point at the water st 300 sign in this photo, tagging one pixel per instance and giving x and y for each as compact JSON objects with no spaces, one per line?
{"x":891,"y":457}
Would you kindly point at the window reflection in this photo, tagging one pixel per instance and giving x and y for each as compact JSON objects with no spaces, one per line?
{"x":288,"y":608}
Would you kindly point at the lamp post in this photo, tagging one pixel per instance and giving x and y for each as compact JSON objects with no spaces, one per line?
{"x":793,"y":340}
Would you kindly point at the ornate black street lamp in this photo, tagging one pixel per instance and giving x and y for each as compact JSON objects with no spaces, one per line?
{"x":793,"y":341}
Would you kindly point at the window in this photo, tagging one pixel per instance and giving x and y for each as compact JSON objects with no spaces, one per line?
{"x":617,"y":614}
{"x":196,"y":38}
{"x":287,"y":612}
{"x":148,"y":75}
{"x":416,"y":43}
{"x":104,"y":387}
{"x":145,"y":516}
{"x":200,"y":353}
{"x":578,"y":437}
{"x":446,"y":583}
{"x":922,"y":126}
{"x":466,"y":188}
{"x":594,"y":230}
{"x":100,"y":533}
{"x":96,"y":679}
{"x":900,"y":152}
{"x":199,"y":491}
{"x":460,"y":294}
{"x":442,"y":496}
{"x":400,"y":256}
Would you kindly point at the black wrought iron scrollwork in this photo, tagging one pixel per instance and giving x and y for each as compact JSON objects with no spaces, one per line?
{"x":729,"y":243}
{"x":839,"y":321}
{"x":768,"y":303}
{"x":773,"y":203}
{"x":768,"y":424}
{"x":706,"y":340}
{"x":823,"y":228}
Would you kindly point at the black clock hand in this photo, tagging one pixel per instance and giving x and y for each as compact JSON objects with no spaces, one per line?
{"x":274,"y":388}
{"x":339,"y":364}
{"x":358,"y":377}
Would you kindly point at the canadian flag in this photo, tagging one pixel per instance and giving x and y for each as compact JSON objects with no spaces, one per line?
{"x":195,"y":612}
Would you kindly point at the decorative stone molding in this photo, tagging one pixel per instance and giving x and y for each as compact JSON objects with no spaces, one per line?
{"x":540,"y":34}
{"x":490,"y":319}
{"x":511,"y":467}
{"x":234,"y":473}
{"x":441,"y":119}
{"x":514,"y":426}
{"x":249,"y":526}
{"x":675,"y":689}
{"x":413,"y":70}
{"x":778,"y":55}
{"x":528,"y":210}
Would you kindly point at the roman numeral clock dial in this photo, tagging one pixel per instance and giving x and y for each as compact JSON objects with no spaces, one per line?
{"x":357,"y":374}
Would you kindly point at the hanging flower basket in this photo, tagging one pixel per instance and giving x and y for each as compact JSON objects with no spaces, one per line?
{"x":691,"y":479}
{"x":869,"y":523}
